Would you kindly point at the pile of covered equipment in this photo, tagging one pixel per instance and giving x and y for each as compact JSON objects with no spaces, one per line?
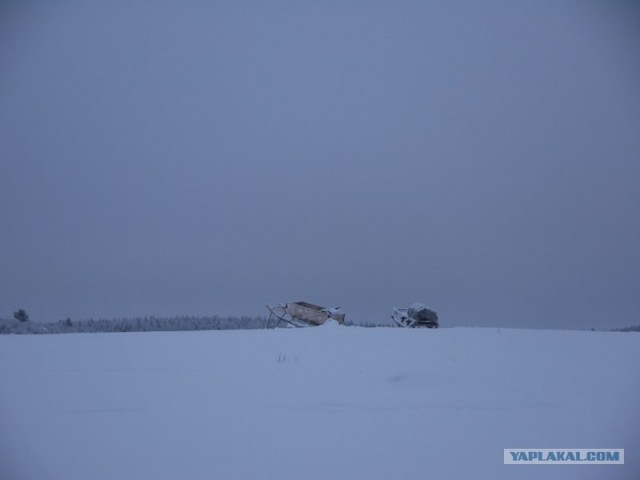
{"x":417,"y":315}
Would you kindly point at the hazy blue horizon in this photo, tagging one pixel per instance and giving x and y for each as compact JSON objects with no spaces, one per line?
{"x":198,"y":159}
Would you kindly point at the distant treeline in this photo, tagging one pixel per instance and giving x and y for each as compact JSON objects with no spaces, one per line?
{"x":635,"y":328}
{"x":140,"y":324}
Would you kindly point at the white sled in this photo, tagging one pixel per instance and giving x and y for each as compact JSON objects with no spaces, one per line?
{"x":302,"y":314}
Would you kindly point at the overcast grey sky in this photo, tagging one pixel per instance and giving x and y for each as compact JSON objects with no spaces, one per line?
{"x":210,"y":157}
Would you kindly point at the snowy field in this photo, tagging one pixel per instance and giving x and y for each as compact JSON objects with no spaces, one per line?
{"x":325,"y":403}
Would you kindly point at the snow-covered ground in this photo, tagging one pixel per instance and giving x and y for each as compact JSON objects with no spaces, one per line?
{"x":325,"y":403}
